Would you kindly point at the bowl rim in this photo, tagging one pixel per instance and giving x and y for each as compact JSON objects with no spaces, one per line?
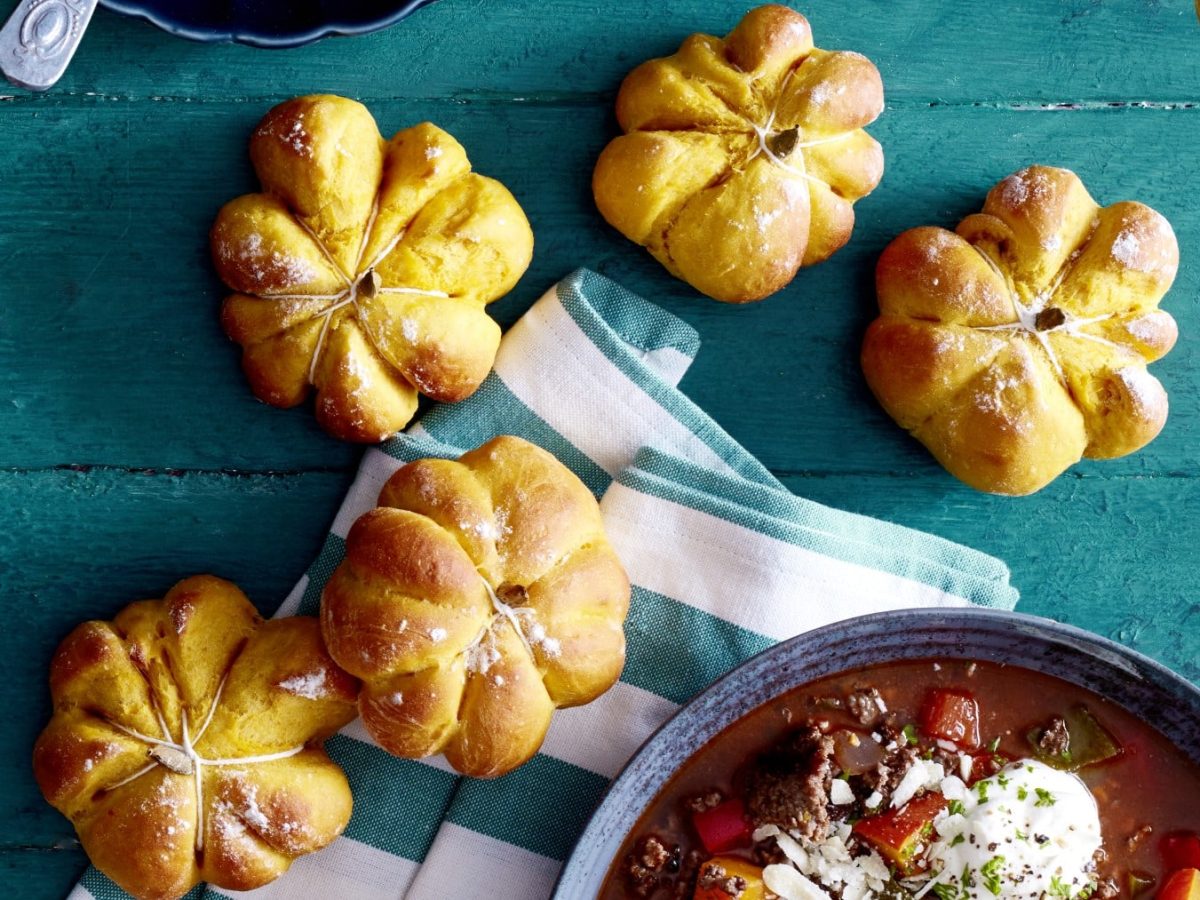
{"x":251,"y":38}
{"x":580,"y":871}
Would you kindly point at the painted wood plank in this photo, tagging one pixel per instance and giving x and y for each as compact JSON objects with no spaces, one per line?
{"x":1113,"y":555}
{"x":1053,"y":51}
{"x":40,"y":874}
{"x":110,"y":351}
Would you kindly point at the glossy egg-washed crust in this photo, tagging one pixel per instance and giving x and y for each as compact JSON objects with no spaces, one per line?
{"x":281,"y":692}
{"x":339,"y":203}
{"x":691,"y":180}
{"x":1007,"y":407}
{"x":409,"y":611}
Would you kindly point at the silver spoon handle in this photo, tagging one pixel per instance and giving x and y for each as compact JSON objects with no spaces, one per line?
{"x":39,"y":39}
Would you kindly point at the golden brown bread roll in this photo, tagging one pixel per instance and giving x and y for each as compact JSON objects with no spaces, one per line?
{"x":185,"y":744}
{"x":743,"y":157}
{"x":480,"y":596}
{"x":1019,"y":345}
{"x":364,"y":267}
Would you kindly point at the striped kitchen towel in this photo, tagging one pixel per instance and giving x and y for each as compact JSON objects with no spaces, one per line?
{"x":724,"y":562}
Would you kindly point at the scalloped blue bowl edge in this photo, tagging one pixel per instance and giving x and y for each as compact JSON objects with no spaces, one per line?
{"x":133,"y":9}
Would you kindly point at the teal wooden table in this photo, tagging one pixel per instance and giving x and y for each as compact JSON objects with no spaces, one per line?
{"x":132,"y":453}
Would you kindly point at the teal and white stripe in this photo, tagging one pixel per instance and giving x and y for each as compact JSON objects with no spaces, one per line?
{"x":723,"y":560}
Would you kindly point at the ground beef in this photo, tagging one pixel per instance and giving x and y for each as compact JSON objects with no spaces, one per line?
{"x":715,"y":876}
{"x":788,"y":786}
{"x":888,"y":773}
{"x":866,"y":704}
{"x":706,"y":801}
{"x":1055,"y":740}
{"x":767,"y":853}
{"x":649,"y":864}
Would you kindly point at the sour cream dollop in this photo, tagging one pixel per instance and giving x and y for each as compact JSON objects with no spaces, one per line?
{"x":1026,"y":832}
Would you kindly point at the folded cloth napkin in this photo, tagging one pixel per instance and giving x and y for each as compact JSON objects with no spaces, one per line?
{"x":724,"y":562}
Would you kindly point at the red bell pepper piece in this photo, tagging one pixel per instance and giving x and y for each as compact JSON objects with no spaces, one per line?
{"x":1181,"y":885}
{"x":723,"y":827}
{"x":951,"y":716}
{"x":898,"y":834}
{"x":1180,"y":850}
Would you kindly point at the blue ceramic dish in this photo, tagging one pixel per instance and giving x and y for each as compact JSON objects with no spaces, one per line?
{"x":267,"y":23}
{"x":1155,"y":694}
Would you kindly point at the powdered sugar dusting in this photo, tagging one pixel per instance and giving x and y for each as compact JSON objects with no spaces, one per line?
{"x":289,"y":132}
{"x":1127,"y":250}
{"x":311,"y":686}
{"x":1143,"y":329}
{"x":825,"y":91}
{"x":272,"y":268}
{"x":764,"y":220}
{"x":1013,"y":190}
{"x":1022,"y":187}
{"x":1142,"y":386}
{"x":252,"y":814}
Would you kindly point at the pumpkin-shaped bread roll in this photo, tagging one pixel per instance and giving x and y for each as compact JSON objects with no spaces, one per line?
{"x":1019,"y":344}
{"x":364,"y":267}
{"x":186,"y":741}
{"x":743,"y":156}
{"x":480,"y":596}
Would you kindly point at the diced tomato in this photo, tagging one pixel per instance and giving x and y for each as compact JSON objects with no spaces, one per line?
{"x":899,"y":833}
{"x":733,"y":868}
{"x":951,"y":716}
{"x":1180,"y":850}
{"x":1181,"y":885}
{"x":985,"y":765}
{"x":723,"y":827}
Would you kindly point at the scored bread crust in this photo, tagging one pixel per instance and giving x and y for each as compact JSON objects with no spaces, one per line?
{"x":743,"y":156}
{"x":364,"y":267}
{"x":481,"y":595}
{"x":122,"y":688}
{"x":1018,"y":344}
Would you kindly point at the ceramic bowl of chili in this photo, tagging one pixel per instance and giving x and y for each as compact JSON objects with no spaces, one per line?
{"x":899,"y":725}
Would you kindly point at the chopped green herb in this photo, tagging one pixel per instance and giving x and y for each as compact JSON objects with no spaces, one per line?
{"x":981,"y":788}
{"x":1022,"y":793}
{"x":990,"y":871}
{"x":945,"y":891}
{"x":1058,"y":888}
{"x":994,"y":745}
{"x":910,"y":733}
{"x":1044,"y":797}
{"x":957,"y":839}
{"x":955,"y":808}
